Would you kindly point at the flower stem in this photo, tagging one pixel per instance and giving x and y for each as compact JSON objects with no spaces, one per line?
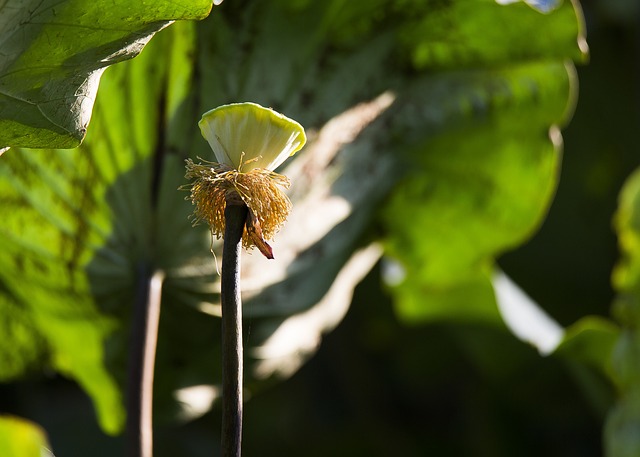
{"x":235,"y":217}
{"x":144,"y":336}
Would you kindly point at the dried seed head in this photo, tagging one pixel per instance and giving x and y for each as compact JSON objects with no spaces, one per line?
{"x":249,"y":142}
{"x":260,"y":189}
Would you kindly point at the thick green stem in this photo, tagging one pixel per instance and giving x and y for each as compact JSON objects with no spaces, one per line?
{"x":232,"y":373}
{"x":144,"y":336}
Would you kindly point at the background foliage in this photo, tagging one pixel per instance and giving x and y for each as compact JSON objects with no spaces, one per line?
{"x":433,"y":134}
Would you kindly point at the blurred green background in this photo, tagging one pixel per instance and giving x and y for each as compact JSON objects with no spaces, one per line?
{"x":383,"y":384}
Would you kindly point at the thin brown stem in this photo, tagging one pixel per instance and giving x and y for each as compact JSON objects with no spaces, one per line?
{"x":232,"y":372}
{"x":144,"y":336}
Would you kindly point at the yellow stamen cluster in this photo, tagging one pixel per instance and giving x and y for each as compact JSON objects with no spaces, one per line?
{"x":259,"y":189}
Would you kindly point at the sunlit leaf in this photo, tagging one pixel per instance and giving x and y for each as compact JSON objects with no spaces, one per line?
{"x":491,"y":177}
{"x":53,"y":54}
{"x":67,"y":211}
{"x":622,"y":430}
{"x":477,"y":33}
{"x":28,"y":348}
{"x":21,"y":438}
{"x":590,"y":341}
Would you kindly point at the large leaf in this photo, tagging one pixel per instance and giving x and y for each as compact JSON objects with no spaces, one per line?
{"x":492,"y":169}
{"x":54,"y":52}
{"x":62,"y":220}
{"x":446,"y":38}
{"x":491,"y":176}
{"x":622,"y":432}
{"x":21,"y":438}
{"x":87,"y":226}
{"x":590,"y":341}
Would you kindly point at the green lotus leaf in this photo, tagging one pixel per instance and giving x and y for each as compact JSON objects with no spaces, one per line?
{"x":54,"y":53}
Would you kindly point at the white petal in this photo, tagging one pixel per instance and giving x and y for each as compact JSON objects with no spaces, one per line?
{"x":247,"y":136}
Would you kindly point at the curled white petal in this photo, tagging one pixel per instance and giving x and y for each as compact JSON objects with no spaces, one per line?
{"x":247,"y":136}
